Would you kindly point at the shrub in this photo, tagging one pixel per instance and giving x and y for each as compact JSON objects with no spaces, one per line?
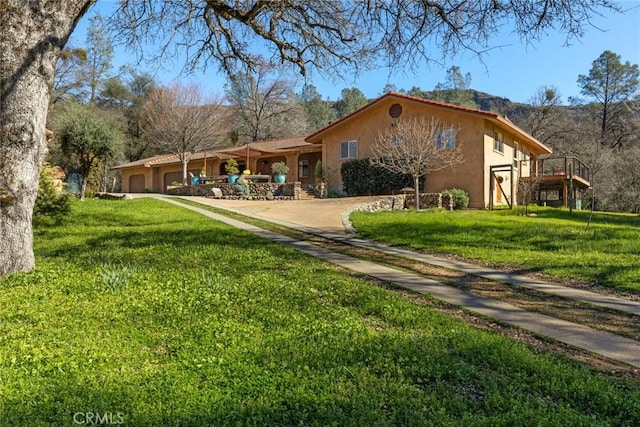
{"x":334,"y":193}
{"x":279,"y":168}
{"x":361,"y":178}
{"x":460,"y":197}
{"x":318,"y":172}
{"x":232,"y":167}
{"x":241,"y":187}
{"x":51,"y":201}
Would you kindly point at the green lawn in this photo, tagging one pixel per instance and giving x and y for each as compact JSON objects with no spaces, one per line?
{"x":153,"y":315}
{"x":553,"y":242}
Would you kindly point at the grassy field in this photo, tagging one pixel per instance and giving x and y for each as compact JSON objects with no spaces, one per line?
{"x":147,"y":314}
{"x":552,"y":242}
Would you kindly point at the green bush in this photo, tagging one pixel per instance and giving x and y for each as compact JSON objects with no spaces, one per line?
{"x":318,"y":172}
{"x":51,"y":201}
{"x":361,"y":178}
{"x":241,"y":187}
{"x":460,"y":197}
{"x":334,"y":193}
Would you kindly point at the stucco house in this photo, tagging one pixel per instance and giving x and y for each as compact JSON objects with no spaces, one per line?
{"x":156,"y":173}
{"x":497,"y":155}
{"x":496,"y":152}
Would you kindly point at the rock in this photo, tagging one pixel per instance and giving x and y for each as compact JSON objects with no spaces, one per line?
{"x":217,"y":193}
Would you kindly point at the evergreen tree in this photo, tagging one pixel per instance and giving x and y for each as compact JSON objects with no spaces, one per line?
{"x":350,"y":101}
{"x":455,"y":90}
{"x":319,"y":112}
{"x":609,"y":84}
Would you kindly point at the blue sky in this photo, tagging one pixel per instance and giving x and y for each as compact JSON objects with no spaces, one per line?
{"x":512,"y":69}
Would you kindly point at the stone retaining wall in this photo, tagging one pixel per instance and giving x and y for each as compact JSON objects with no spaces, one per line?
{"x":257,"y":191}
{"x":400,"y":202}
{"x":429,"y":200}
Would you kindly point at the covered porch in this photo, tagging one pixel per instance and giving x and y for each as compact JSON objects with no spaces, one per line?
{"x":559,"y":181}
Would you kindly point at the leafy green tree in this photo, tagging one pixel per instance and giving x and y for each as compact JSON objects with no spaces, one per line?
{"x":455,"y":89}
{"x":417,"y":92}
{"x":126,"y":99}
{"x":114,"y":94}
{"x":389,"y":87}
{"x":350,"y":100}
{"x":609,"y":84}
{"x":319,"y":112}
{"x":86,"y":137}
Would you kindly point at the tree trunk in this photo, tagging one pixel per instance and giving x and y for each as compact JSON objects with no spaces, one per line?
{"x":31,"y":37}
{"x":416,"y":186}
{"x":185,"y":178}
{"x":83,"y":188}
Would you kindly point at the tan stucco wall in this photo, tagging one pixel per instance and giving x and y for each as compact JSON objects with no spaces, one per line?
{"x":365,"y":129}
{"x":475,"y":134}
{"x":154,"y":176}
{"x":522,"y":168}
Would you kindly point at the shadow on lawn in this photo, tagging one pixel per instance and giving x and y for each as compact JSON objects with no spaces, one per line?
{"x":160,"y":246}
{"x":582,"y":217}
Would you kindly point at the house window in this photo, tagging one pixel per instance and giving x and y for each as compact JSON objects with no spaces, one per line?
{"x":395,"y":110}
{"x":303,"y":169}
{"x":446,"y":139}
{"x":348,"y":149}
{"x":498,"y":143}
{"x":516,"y":152}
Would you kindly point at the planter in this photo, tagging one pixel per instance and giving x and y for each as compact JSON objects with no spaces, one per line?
{"x":279,"y":179}
{"x":232,"y":178}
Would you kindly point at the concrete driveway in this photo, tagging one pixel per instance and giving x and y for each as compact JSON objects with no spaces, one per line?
{"x":323,"y":214}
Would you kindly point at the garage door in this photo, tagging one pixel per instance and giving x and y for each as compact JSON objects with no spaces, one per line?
{"x":136,"y":183}
{"x":171,"y":177}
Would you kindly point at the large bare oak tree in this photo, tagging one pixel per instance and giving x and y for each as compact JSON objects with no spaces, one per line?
{"x":324,"y":35}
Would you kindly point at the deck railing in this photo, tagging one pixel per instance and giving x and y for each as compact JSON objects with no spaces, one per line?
{"x":558,"y":166}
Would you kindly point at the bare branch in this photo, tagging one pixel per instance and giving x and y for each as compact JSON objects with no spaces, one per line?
{"x":417,"y":146}
{"x":182,"y":120}
{"x":328,"y":35}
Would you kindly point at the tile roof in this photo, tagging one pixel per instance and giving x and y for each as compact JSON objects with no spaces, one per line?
{"x":316,"y":137}
{"x":262,"y":147}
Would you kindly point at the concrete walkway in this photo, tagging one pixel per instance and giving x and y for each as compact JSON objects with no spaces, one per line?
{"x":601,"y":342}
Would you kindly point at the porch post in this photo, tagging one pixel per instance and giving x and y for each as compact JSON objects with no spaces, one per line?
{"x":570,"y":198}
{"x":512,"y":202}
{"x":491,"y":187}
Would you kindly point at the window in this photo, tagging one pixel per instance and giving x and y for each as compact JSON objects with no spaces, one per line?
{"x":303,"y":169}
{"x":446,"y":139}
{"x":498,"y":143}
{"x":516,"y":153}
{"x":348,"y":149}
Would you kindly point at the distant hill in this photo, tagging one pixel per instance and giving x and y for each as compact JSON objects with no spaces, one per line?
{"x":484,"y":101}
